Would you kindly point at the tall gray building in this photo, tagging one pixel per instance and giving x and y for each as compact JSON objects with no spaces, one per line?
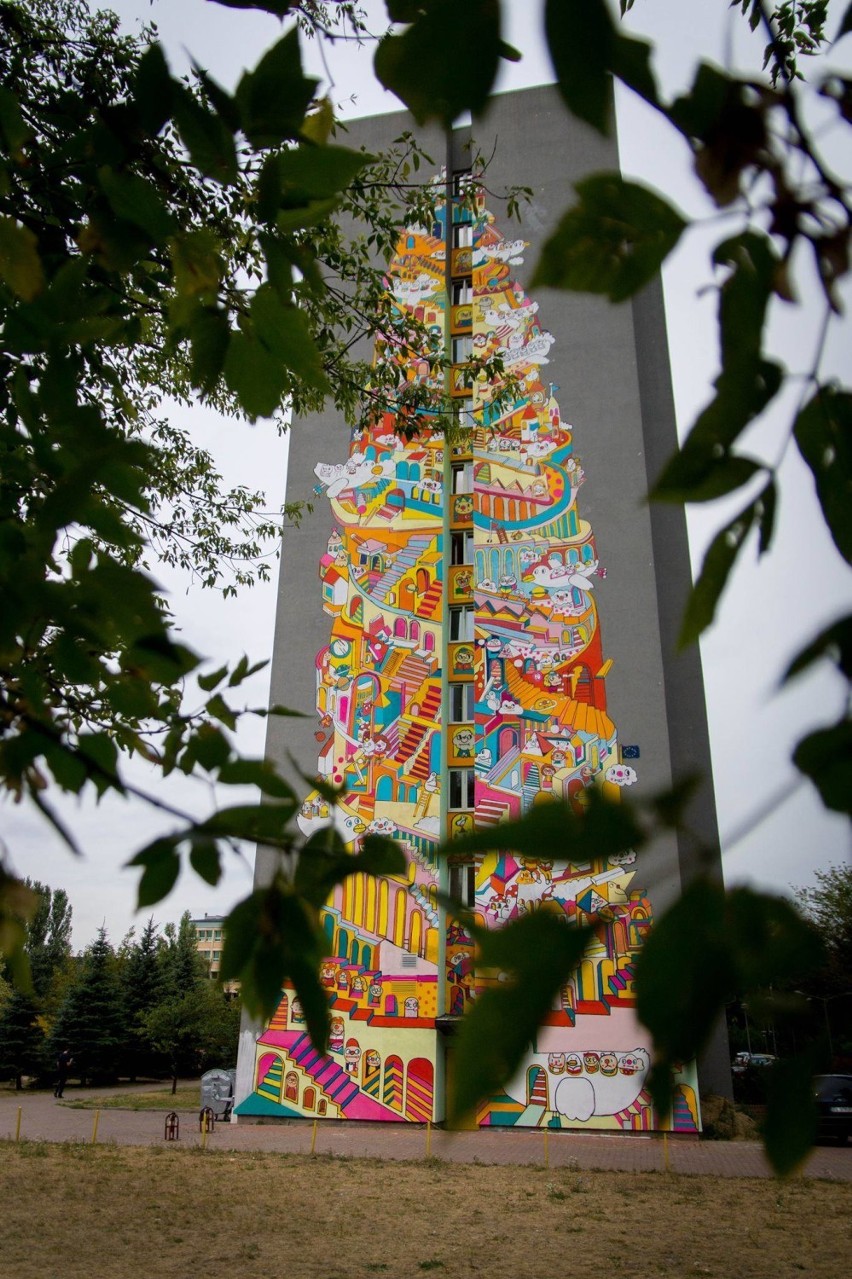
{"x":477,"y":623}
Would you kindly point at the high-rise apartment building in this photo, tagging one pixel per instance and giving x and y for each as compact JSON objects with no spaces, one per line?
{"x":477,"y":621}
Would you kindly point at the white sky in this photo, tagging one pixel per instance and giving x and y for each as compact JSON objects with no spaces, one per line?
{"x":767,"y":613}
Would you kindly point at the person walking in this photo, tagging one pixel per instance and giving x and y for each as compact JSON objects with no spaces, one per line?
{"x":63,"y":1064}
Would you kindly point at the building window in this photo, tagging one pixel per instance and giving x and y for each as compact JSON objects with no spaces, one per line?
{"x":463,"y":882}
{"x":462,"y":787}
{"x":463,"y":478}
{"x":461,"y":624}
{"x":461,"y":703}
{"x":462,"y":235}
{"x":462,"y":292}
{"x":461,"y":547}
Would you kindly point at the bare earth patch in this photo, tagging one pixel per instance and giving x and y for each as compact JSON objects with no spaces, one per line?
{"x":78,"y":1212}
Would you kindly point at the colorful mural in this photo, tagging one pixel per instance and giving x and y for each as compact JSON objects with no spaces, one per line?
{"x":460,"y":579}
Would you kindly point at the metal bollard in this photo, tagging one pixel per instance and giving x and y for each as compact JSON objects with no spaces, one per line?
{"x":206,"y":1119}
{"x":172,"y":1130}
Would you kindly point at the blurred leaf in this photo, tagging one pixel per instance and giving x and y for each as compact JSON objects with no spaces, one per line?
{"x":20,"y":264}
{"x":324,"y":862}
{"x":243,"y":671}
{"x":765,"y":508}
{"x":845,"y":24}
{"x":208,"y":682}
{"x":286,"y":334}
{"x":161,"y":867}
{"x":613,"y":242}
{"x":205,"y":860}
{"x":18,"y":904}
{"x":207,"y":139}
{"x":707,"y":949}
{"x":823,"y":432}
{"x":209,"y":335}
{"x":274,"y":97}
{"x":723,"y":120}
{"x":603,"y":829}
{"x":209,"y":747}
{"x":255,"y":376}
{"x":537,"y":953}
{"x":825,"y":756}
{"x":718,"y":562}
{"x":269,"y":937}
{"x":790,"y":1127}
{"x":446,"y":61}
{"x":152,"y":90}
{"x":835,"y":643}
{"x":136,"y":200}
{"x":580,"y":38}
{"x":256,"y":772}
{"x":702,"y":473}
{"x":319,"y":170}
{"x":257,"y":823}
{"x":278,"y":7}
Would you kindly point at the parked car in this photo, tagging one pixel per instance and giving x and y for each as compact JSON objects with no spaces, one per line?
{"x":748,"y":1061}
{"x":834,"y":1106}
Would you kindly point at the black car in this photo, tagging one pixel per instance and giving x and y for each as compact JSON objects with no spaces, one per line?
{"x":834,"y":1106}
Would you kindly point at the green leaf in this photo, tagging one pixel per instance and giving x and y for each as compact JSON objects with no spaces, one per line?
{"x":727,"y":945}
{"x":209,"y":335}
{"x":208,"y":140}
{"x":280,"y":8}
{"x":14,"y":128}
{"x":826,"y":758}
{"x":723,"y":120}
{"x":835,"y":643}
{"x":604,"y":828}
{"x":274,"y":97}
{"x":20,"y":264}
{"x":161,"y":869}
{"x":243,"y":671}
{"x":209,"y":746}
{"x":136,"y":200}
{"x":152,"y":89}
{"x":256,"y":772}
{"x":254,"y":375}
{"x":208,"y":682}
{"x":845,"y":24}
{"x":718,"y":562}
{"x":219,"y":709}
{"x":612,"y":242}
{"x":580,"y":39}
{"x":823,"y":432}
{"x":766,"y":506}
{"x":197,"y":263}
{"x":286,"y":334}
{"x":324,"y":863}
{"x":744,"y":296}
{"x":205,"y":860}
{"x":537,"y":953}
{"x":319,"y":171}
{"x":446,"y":61}
{"x":701,"y":474}
{"x":263,"y":823}
{"x":790,"y":1126}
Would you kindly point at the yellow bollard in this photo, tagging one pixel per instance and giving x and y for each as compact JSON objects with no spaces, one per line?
{"x":314,"y":1137}
{"x":205,"y":1128}
{"x":666,"y":1162}
{"x":547,"y":1147}
{"x":18,"y":1126}
{"x":429,"y":1139}
{"x":95,"y":1126}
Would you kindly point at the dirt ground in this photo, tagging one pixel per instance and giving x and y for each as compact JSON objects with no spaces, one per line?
{"x":107,"y":1212}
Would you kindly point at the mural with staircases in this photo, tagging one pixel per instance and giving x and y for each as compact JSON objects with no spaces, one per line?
{"x":522,"y":629}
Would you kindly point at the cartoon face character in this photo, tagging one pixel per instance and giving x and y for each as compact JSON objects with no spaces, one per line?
{"x":411,"y":1007}
{"x":592,"y":1063}
{"x":463,"y":582}
{"x":463,"y":505}
{"x":375,"y":992}
{"x":556,"y":1063}
{"x":628,"y":1064}
{"x":335,"y":1039}
{"x":573,"y":1064}
{"x":357,"y":987}
{"x":296,"y":1011}
{"x":463,"y":742}
{"x":327,"y":974}
{"x":609,"y":1064}
{"x":352,"y":1056}
{"x":464,"y":658}
{"x":372,"y":1061}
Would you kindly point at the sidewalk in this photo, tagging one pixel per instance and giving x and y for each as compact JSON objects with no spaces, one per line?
{"x":43,"y":1118}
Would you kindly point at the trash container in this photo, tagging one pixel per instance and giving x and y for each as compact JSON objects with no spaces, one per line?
{"x":217,"y":1092}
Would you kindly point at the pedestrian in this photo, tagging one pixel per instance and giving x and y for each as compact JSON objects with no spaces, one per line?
{"x":63,"y":1064}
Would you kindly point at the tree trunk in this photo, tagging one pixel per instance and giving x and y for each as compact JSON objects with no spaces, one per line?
{"x":19,"y":1082}
{"x":174,"y":1084}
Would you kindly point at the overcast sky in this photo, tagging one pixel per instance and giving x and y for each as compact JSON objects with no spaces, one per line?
{"x":767,"y":613}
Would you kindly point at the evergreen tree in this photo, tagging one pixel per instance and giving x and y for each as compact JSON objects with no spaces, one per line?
{"x":182,"y":969}
{"x":91,"y":1023}
{"x":48,"y":947}
{"x":141,"y":982}
{"x":21,"y":1038}
{"x":195,"y":1030}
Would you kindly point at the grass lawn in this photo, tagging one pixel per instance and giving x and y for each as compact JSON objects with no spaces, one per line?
{"x":187,"y":1097}
{"x":79,"y":1211}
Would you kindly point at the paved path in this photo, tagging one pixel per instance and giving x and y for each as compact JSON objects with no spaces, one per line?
{"x":44,"y":1119}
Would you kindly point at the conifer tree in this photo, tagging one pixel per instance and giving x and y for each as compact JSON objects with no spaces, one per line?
{"x":141,"y":987}
{"x":91,"y":1022}
{"x":21,"y":1038}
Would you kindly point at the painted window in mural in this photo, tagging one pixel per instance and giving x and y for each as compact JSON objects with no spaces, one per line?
{"x":516,"y":587}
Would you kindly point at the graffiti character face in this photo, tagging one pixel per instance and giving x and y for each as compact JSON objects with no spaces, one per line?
{"x":609,"y":1064}
{"x":372,"y":1060}
{"x":411,"y":1008}
{"x":556,"y":1063}
{"x":464,"y":504}
{"x":375,"y":991}
{"x":592,"y":1063}
{"x":629,"y":1064}
{"x":335,"y":1041}
{"x":464,"y":658}
{"x":327,"y":974}
{"x":352,"y":1055}
{"x":296,"y":1011}
{"x":573,"y":1064}
{"x":463,"y":740}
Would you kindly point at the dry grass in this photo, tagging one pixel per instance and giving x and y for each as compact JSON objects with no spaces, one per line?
{"x":187,"y":1098}
{"x":82,"y":1212}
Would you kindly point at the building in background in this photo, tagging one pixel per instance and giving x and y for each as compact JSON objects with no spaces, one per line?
{"x":494,"y":624}
{"x":208,"y":933}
